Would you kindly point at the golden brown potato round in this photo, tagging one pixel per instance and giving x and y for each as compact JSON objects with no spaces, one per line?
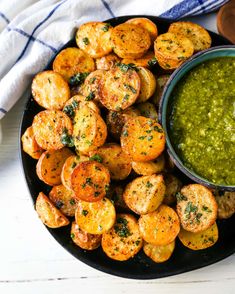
{"x":149,"y":168}
{"x":83,"y":239}
{"x":107,"y":62}
{"x":160,"y":84}
{"x":123,"y":241}
{"x":147,"y":109}
{"x":90,"y":180}
{"x":95,"y":217}
{"x":145,"y":194}
{"x":196,"y":207}
{"x":147,"y":84}
{"x":48,"y":213}
{"x":72,"y":61}
{"x":159,"y":254}
{"x":143,"y":61}
{"x":30,"y":145}
{"x":142,"y":138}
{"x":198,"y":35}
{"x":120,"y":88}
{"x":114,"y":159}
{"x":146,"y":24}
{"x":226,"y":204}
{"x":172,"y":50}
{"x":94,"y":38}
{"x":50,"y":164}
{"x":50,"y":90}
{"x":160,"y":227}
{"x":200,"y":240}
{"x":63,"y":199}
{"x":130,"y":41}
{"x":48,"y":127}
{"x":173,"y":185}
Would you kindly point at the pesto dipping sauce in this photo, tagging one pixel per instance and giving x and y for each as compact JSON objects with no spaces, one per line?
{"x":202,"y":120}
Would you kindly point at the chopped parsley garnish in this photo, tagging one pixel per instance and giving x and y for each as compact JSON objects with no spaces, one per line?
{"x":78,"y":79}
{"x":137,"y":242}
{"x":106,"y":27}
{"x":149,"y":185}
{"x":92,"y":80}
{"x":126,"y":67}
{"x":66,"y":139}
{"x":72,"y":201}
{"x":84,"y":212}
{"x":121,"y":227}
{"x":91,"y":96}
{"x":70,"y":109}
{"x":150,"y":138}
{"x":126,"y":97}
{"x":85,"y":41}
{"x":73,"y":164}
{"x":180,"y":197}
{"x":129,"y":87}
{"x":100,"y":227}
{"x":190,"y":208}
{"x":125,"y":133}
{"x":152,"y":62}
{"x":142,"y":137}
{"x":72,"y":236}
{"x":198,"y":216}
{"x":157,"y":129}
{"x":205,"y":208}
{"x":49,"y":80}
{"x":96,"y":157}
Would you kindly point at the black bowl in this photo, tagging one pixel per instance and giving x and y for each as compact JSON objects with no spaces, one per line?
{"x":139,"y":267}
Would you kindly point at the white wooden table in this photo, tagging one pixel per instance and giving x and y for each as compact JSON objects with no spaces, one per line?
{"x":31,"y":261}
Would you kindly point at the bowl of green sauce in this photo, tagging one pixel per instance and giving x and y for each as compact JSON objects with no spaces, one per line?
{"x":197,"y":112}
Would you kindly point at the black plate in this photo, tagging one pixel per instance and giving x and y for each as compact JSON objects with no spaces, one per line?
{"x":140,"y":267}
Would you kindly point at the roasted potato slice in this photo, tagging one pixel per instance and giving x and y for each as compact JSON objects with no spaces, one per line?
{"x":145,"y":194}
{"x":149,"y":168}
{"x":147,"y":84}
{"x":94,"y":38}
{"x":90,"y":180}
{"x":160,"y":253}
{"x":30,"y":145}
{"x":198,"y":35}
{"x":130,"y":41}
{"x":144,"y":61}
{"x":83,"y":239}
{"x":226,"y":204}
{"x":196,"y":207}
{"x":50,"y":90}
{"x":172,"y":50}
{"x":95,"y":217}
{"x":142,"y":138}
{"x":107,"y":62}
{"x":147,"y":109}
{"x":48,"y":213}
{"x":173,"y":186}
{"x":116,"y":119}
{"x":50,"y":164}
{"x":68,"y":167}
{"x":122,"y":241}
{"x":160,"y":227}
{"x":63,"y":199}
{"x":160,"y":84}
{"x":72,"y":61}
{"x":114,"y":159}
{"x":48,"y":127}
{"x":146,"y":24}
{"x":200,"y":240}
{"x":120,"y":88}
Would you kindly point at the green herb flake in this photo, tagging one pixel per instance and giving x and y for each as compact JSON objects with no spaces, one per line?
{"x":92,"y":80}
{"x":126,"y":67}
{"x":129,"y":87}
{"x":73,"y":164}
{"x":126,"y":97}
{"x":158,"y":129}
{"x":152,"y":62}
{"x":72,"y":236}
{"x":84,"y":212}
{"x":125,"y":133}
{"x":137,"y":242}
{"x":148,"y":184}
{"x":72,"y":201}
{"x":78,"y":78}
{"x":96,"y":157}
{"x":66,"y":138}
{"x":180,"y":197}
{"x":106,"y":27}
{"x":49,"y":80}
{"x":142,"y":137}
{"x":205,"y":208}
{"x":85,"y":41}
{"x":150,"y":138}
{"x":190,"y":208}
{"x":90,"y":97}
{"x":121,"y":228}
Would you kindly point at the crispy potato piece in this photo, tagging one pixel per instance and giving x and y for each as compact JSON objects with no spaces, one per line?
{"x":120,"y":89}
{"x":145,"y":194}
{"x":94,"y":38}
{"x":160,"y":227}
{"x":196,"y":207}
{"x":146,"y":24}
{"x":48,"y":126}
{"x":198,"y":35}
{"x":48,"y":213}
{"x":172,"y":50}
{"x":123,"y":241}
{"x":30,"y":145}
{"x":114,"y":159}
{"x":130,"y":41}
{"x":107,"y":62}
{"x":72,"y":61}
{"x":147,"y":109}
{"x":200,"y":240}
{"x":90,"y":180}
{"x":160,"y":84}
{"x":149,"y":168}
{"x":226,"y":204}
{"x":115,"y":194}
{"x":68,"y":167}
{"x":95,"y":217}
{"x":50,"y":90}
{"x":173,"y":185}
{"x":142,"y":138}
{"x":142,"y":61}
{"x":159,"y":254}
{"x":50,"y":164}
{"x":147,"y":84}
{"x":89,"y":129}
{"x":116,"y":120}
{"x":63,"y":199}
{"x":84,"y":240}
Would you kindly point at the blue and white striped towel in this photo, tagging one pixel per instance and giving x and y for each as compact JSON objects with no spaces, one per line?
{"x":33,"y":31}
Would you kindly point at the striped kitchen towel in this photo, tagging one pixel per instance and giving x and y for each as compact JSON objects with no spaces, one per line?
{"x":33,"y":31}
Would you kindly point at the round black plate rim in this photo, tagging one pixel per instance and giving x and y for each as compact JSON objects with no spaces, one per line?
{"x":113,"y":270}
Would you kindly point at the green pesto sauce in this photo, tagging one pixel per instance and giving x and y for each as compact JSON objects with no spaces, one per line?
{"x":202,"y":120}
